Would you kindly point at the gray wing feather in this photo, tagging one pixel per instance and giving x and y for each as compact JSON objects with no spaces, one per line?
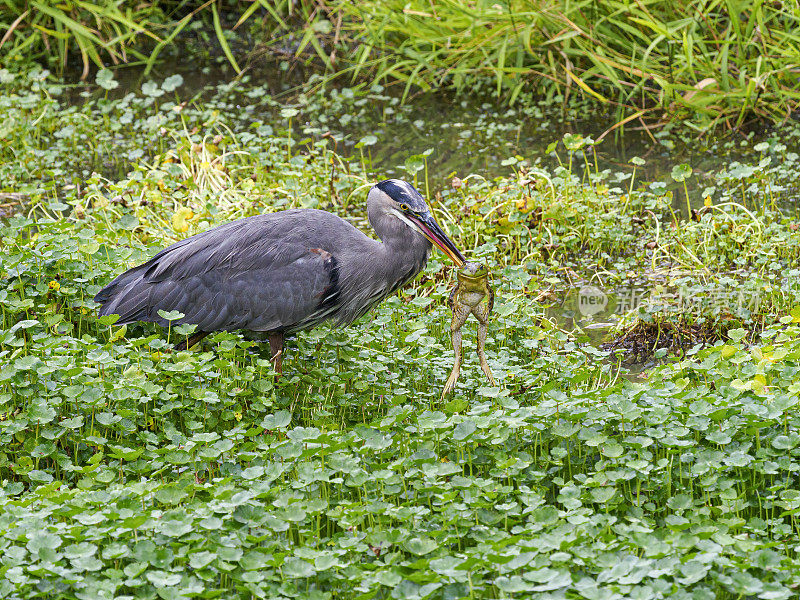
{"x":261,"y":273}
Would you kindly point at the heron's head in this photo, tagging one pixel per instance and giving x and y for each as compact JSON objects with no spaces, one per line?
{"x":399,"y":199}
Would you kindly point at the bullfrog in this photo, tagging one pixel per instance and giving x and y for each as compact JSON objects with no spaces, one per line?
{"x":471,"y":295}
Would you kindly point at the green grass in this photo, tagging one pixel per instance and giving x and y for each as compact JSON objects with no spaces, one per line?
{"x":129,"y":471}
{"x":706,"y":63}
{"x":96,"y":33}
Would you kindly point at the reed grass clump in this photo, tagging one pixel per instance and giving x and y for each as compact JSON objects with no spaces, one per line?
{"x":99,"y":33}
{"x":705,"y":62}
{"x":702,"y":62}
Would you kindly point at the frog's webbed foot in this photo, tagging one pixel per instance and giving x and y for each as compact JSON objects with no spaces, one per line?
{"x":451,"y":381}
{"x":482,"y":314}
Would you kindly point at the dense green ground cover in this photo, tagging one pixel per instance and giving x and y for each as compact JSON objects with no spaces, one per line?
{"x":130,"y":471}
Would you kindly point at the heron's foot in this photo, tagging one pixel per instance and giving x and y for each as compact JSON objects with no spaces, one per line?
{"x":276,"y":350}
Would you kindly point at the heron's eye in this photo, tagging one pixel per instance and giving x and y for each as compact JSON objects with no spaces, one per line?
{"x":404,"y":207}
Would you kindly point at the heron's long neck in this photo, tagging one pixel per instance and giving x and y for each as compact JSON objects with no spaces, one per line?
{"x":405,"y":250}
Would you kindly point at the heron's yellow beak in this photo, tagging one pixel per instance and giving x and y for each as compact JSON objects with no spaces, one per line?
{"x":431,"y":230}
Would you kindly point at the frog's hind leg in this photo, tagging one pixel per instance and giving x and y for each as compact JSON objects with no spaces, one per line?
{"x":460,"y":314}
{"x":481,"y":313}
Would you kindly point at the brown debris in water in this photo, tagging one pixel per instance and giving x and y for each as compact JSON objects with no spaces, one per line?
{"x":643,"y":339}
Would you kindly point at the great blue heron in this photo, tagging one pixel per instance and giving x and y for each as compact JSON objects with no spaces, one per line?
{"x":283,"y":272}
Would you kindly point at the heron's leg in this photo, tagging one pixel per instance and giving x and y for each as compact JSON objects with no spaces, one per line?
{"x":276,"y":350}
{"x":193,"y":339}
{"x":481,"y":313}
{"x":460,"y":314}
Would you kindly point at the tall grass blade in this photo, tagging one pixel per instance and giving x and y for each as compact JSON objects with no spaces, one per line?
{"x":221,"y":38}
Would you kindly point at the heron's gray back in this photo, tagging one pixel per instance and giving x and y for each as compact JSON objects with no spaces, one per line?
{"x":278,"y":272}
